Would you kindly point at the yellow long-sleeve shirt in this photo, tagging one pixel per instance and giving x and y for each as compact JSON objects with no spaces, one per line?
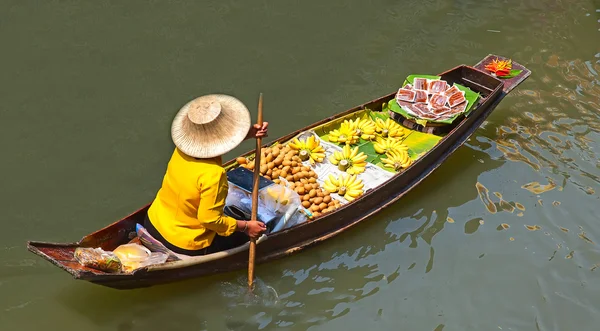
{"x":188,"y":208}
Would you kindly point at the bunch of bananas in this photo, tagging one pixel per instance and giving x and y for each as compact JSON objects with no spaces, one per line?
{"x":349,"y":160}
{"x":397,"y":160}
{"x":383,"y":146}
{"x":389,"y":128}
{"x":365,"y":128}
{"x":309,"y":149}
{"x":347,"y":186}
{"x":346,"y":134}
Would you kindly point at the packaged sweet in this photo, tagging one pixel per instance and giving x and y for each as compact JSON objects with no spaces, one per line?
{"x":405,"y":104}
{"x":420,"y":108}
{"x":405,"y":95}
{"x":420,"y":84}
{"x":437,"y":86}
{"x":420,"y":96}
{"x":456,"y":99}
{"x":438,"y":100}
{"x":458,"y":108}
{"x":440,"y":110}
{"x":451,"y":91}
{"x":97,"y":258}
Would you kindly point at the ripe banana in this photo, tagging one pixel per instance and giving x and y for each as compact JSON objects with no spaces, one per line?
{"x":349,"y":160}
{"x":397,"y":160}
{"x":365,"y":128}
{"x":310,"y":149}
{"x":383,"y":146}
{"x":345,"y":134}
{"x":347,"y":186}
{"x":390,"y":129}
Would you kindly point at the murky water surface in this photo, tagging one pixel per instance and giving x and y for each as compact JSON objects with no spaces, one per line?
{"x":504,"y":236}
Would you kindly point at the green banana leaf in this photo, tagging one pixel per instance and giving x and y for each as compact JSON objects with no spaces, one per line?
{"x":420,"y":143}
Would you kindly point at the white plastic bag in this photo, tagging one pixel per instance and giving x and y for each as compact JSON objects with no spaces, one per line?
{"x":134,"y":256}
{"x":242,"y":201}
{"x":286,"y":203}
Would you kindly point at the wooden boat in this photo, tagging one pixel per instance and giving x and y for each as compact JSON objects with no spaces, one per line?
{"x":292,"y":240}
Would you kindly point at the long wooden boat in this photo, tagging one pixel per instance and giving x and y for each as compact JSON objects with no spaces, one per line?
{"x":292,"y":240}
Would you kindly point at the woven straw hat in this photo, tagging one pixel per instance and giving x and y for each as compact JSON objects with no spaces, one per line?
{"x":210,"y":126}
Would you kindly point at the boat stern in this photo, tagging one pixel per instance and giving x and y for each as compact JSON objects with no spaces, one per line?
{"x":61,"y":255}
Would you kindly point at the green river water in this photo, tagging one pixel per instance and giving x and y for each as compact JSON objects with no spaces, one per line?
{"x":503,"y":236}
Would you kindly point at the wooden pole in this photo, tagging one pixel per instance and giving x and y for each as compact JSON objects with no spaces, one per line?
{"x":257,"y":157}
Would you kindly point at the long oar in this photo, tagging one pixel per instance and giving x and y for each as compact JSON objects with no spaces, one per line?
{"x":257,"y":157}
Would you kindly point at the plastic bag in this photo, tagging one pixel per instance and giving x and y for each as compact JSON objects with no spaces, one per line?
{"x":284,"y":202}
{"x":242,"y":201}
{"x":97,"y":258}
{"x":134,"y":256}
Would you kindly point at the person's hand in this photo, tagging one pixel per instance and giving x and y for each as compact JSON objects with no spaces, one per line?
{"x":257,"y":131}
{"x":255,"y":229}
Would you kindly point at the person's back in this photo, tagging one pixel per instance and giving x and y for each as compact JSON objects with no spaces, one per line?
{"x":187,"y":213}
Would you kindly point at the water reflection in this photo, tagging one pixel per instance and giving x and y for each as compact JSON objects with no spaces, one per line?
{"x":515,"y":208}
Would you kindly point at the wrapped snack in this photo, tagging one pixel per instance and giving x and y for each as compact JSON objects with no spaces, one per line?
{"x":437,"y":86}
{"x":420,"y":96}
{"x":97,"y":258}
{"x":456,"y":99}
{"x":458,"y":109}
{"x":420,"y":108}
{"x":420,"y":84}
{"x":440,"y":110}
{"x":405,"y":95}
{"x":438,"y":100}
{"x":451,"y":91}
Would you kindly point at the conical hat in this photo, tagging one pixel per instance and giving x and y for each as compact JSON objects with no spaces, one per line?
{"x":210,"y":126}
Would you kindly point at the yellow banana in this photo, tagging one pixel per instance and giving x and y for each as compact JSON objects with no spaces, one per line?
{"x":345,"y":134}
{"x":389,"y":128}
{"x":331,"y":184}
{"x":365,"y":128}
{"x":383,"y":146}
{"x":348,"y":186}
{"x":349,"y":160}
{"x":397,"y":160}
{"x":309,"y":149}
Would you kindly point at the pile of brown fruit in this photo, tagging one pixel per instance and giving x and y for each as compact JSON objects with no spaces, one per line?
{"x":284,"y":162}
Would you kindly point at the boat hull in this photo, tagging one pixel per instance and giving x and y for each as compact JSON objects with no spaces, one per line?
{"x":295,"y":239}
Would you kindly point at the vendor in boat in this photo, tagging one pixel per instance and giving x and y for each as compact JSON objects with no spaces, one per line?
{"x":187,"y":213}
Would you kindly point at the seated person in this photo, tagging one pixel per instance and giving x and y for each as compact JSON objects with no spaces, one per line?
{"x":187,"y":213}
